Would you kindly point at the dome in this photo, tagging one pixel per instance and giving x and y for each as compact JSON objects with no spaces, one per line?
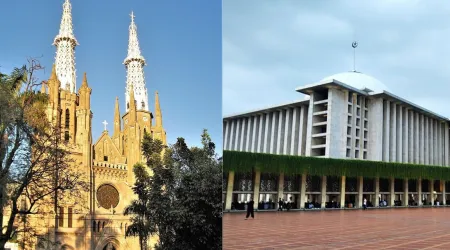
{"x":358,"y":80}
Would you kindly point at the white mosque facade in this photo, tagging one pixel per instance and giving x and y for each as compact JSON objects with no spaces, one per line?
{"x":349,"y":116}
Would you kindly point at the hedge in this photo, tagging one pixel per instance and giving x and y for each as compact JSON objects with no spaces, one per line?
{"x":291,"y":165}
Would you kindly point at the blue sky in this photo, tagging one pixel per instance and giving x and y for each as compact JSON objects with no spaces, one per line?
{"x":272,"y":47}
{"x":180,"y":40}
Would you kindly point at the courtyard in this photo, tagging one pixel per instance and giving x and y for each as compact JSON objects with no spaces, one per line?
{"x":398,"y":228}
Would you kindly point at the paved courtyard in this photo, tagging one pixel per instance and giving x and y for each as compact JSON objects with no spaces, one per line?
{"x":401,"y":228}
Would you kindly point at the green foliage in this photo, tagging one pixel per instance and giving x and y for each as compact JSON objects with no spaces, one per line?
{"x":183,"y":195}
{"x":271,"y":163}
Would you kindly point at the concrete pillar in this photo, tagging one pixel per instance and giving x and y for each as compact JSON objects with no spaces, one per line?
{"x":431,"y":189}
{"x":416,"y":139}
{"x":303,"y":191}
{"x":393,"y":134}
{"x":444,"y":199}
{"x":342,"y":201}
{"x":302,"y":136}
{"x":405,"y":192}
{"x":391,"y":191}
{"x":399,"y":133}
{"x":256,"y":189}
{"x":227,"y":132}
{"x":286,"y":131}
{"x":266,"y":143}
{"x":360,"y":191}
{"x":421,"y":140}
{"x":253,"y":143}
{"x":323,"y":192}
{"x":229,"y":198}
{"x":280,"y":129}
{"x":386,"y":127}
{"x":236,"y":139}
{"x":419,"y":191}
{"x":426,"y":141}
{"x":273,"y":133}
{"x":446,"y":144}
{"x":405,"y":135}
{"x":280,"y":186}
{"x":377,"y":192}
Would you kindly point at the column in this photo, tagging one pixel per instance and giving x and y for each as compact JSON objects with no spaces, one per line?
{"x":303,"y":191}
{"x":421,"y":140}
{"x":411,"y":137}
{"x":377,"y":192}
{"x":342,"y":202}
{"x":248,"y":143}
{"x":323,"y":192}
{"x":405,"y":192}
{"x":273,"y":143}
{"x":227,"y":132}
{"x":295,"y":128}
{"x":266,"y":134}
{"x":393,"y":134}
{"x":392,"y":191}
{"x":360,"y":191}
{"x":444,"y":199}
{"x":229,"y":198}
{"x":236,"y":140}
{"x":256,"y":189}
{"x":431,"y":188}
{"x":400,"y":134}
{"x":446,"y":144}
{"x":286,"y":131}
{"x":426,"y":141}
{"x":432,"y":159}
{"x":280,"y":186}
{"x":419,"y":191}
{"x":416,"y":138}
{"x":260,"y":138}
{"x":386,"y":120}
{"x":230,"y":146}
{"x":280,"y":128}
{"x":303,"y":148}
{"x":252,"y":147}
{"x":243,"y":126}
{"x":405,"y":135}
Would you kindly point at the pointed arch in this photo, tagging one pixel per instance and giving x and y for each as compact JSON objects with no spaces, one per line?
{"x":67,"y":119}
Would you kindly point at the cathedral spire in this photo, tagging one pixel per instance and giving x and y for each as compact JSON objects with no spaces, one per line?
{"x":158,"y":115}
{"x":134,"y":63}
{"x":65,"y":43}
{"x":117,"y":119}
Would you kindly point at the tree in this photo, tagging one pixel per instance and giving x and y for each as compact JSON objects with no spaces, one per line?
{"x":35,"y":166}
{"x":182,"y":198}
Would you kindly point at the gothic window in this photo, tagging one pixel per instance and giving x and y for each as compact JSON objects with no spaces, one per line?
{"x":61,"y":216}
{"x":66,"y":136}
{"x":128,"y":105}
{"x":105,"y":158}
{"x":143,"y":105}
{"x":107,"y":196}
{"x":69,"y":217}
{"x":145,"y":131}
{"x":67,"y":118}
{"x":93,"y":225}
{"x":98,"y":226}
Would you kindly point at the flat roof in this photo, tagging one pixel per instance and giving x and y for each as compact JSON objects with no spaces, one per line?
{"x":268,"y":109}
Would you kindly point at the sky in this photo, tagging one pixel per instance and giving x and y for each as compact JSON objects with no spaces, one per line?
{"x":272,"y":47}
{"x":180,"y":40}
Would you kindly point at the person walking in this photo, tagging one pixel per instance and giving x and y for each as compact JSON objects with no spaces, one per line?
{"x":280,"y":205}
{"x":365,"y":203}
{"x":250,"y":210}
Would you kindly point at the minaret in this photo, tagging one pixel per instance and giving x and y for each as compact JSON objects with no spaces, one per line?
{"x":134,"y":63}
{"x":158,"y":115}
{"x":65,"y":43}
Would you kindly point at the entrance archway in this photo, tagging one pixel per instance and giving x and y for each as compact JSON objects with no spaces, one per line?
{"x":109,"y":246}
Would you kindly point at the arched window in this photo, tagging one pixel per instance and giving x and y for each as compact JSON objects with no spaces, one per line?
{"x":93,"y":225}
{"x":66,"y":135}
{"x":145,"y":131}
{"x":128,"y":105}
{"x":103,"y":226}
{"x":98,"y":226}
{"x":143,"y":104}
{"x":67,"y":118}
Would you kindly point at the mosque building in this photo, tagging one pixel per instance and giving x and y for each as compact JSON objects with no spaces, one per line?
{"x":349,"y":140}
{"x":97,"y":220}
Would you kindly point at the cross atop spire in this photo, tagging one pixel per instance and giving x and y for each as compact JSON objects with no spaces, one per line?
{"x":132,"y":17}
{"x":134,"y":63}
{"x":105,"y":123}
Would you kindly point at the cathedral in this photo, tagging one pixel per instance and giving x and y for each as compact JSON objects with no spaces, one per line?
{"x":97,"y":222}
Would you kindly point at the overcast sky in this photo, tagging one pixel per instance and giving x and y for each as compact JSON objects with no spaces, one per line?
{"x":272,"y":47}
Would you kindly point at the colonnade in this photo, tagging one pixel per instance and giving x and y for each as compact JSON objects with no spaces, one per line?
{"x":360,"y":194}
